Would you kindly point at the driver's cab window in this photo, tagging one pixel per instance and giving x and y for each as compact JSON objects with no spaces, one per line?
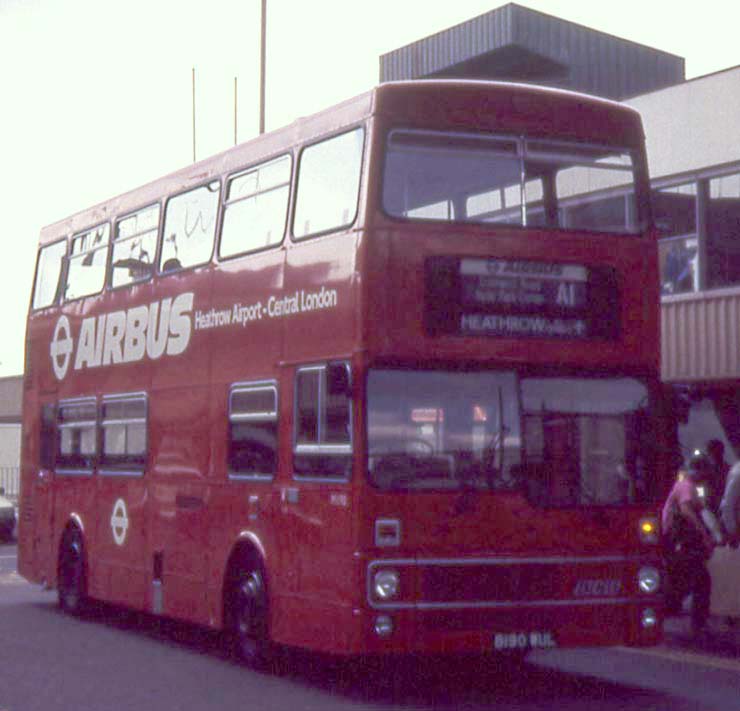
{"x":323,"y":419}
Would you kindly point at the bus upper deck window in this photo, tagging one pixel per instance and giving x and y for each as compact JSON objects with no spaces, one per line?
{"x":189,"y":228}
{"x":87,"y":262}
{"x":255,"y":208}
{"x":48,"y":274}
{"x":134,"y":247}
{"x":328,"y":184}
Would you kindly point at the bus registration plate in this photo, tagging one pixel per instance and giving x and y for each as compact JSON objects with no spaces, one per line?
{"x":512,"y":641}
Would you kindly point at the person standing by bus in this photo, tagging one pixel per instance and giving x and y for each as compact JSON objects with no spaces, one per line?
{"x":688,"y":544}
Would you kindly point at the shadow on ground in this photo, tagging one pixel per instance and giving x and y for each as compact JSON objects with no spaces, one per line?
{"x":411,"y":681}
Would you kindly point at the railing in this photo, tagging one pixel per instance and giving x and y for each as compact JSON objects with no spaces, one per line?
{"x":10,"y":481}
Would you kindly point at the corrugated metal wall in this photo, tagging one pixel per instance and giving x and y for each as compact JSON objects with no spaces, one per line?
{"x":452,"y":46}
{"x":591,"y":61}
{"x":700,"y":336}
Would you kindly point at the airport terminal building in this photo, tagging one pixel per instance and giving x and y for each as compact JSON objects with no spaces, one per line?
{"x":694,"y":166}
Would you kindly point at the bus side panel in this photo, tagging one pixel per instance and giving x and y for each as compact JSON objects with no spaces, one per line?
{"x":121,"y":564}
{"x":314,"y":532}
{"x":248,"y":343}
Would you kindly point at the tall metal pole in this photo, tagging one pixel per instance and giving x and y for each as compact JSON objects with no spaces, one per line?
{"x":193,"y":114}
{"x":235,"y":114}
{"x":262,"y":65}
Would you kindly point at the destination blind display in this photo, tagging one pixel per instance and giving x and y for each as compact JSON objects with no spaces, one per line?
{"x":468,"y":296}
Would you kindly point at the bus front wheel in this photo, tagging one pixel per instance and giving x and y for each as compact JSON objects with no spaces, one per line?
{"x":248,"y":616}
{"x":72,"y":585}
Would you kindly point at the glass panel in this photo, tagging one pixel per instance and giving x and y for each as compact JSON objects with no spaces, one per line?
{"x":136,"y":438}
{"x":87,"y":440}
{"x":440,"y":430}
{"x":567,"y":441}
{"x":307,"y":408}
{"x":723,"y":231}
{"x":260,"y":179}
{"x":66,"y":441}
{"x":254,"y":223}
{"x":253,"y":448}
{"x":124,"y":409}
{"x":428,"y":175}
{"x":254,"y":216}
{"x":674,"y":208}
{"x":253,"y":431}
{"x":338,"y":422}
{"x":678,"y":258}
{"x":48,"y":273}
{"x":47,"y":436}
{"x":114,"y":439}
{"x":254,"y":402}
{"x":124,"y":432}
{"x":506,"y":180}
{"x":87,"y":265}
{"x":134,"y":247}
{"x":76,"y":412}
{"x":328,"y":184}
{"x":189,"y":228}
{"x":591,"y":442}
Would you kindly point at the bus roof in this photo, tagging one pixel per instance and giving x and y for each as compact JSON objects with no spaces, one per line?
{"x":610,"y":120}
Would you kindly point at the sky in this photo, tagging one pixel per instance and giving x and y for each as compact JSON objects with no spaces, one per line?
{"x":96,"y":96}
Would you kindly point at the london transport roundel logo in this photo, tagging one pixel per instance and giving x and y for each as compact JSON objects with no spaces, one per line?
{"x":61,"y":347}
{"x":119,"y":522}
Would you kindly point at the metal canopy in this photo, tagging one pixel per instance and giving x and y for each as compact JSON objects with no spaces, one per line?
{"x":518,"y":44}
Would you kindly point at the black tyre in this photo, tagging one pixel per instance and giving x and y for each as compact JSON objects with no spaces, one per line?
{"x":72,"y":576}
{"x":247,"y":616}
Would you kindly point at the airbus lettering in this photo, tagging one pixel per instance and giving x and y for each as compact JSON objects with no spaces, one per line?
{"x":153,"y":330}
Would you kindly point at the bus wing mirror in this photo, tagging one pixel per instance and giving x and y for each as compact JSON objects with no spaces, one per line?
{"x":337,"y":377}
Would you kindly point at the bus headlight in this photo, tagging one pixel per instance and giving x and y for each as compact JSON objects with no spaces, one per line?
{"x":386,"y":584}
{"x":648,"y":580}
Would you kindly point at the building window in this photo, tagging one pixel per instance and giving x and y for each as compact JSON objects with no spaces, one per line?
{"x":134,"y":247}
{"x":48,"y":274}
{"x":253,"y":422}
{"x":723,"y":231}
{"x":675,"y":220}
{"x":87,"y":263}
{"x":76,"y":422}
{"x":124,"y":429}
{"x":255,"y":208}
{"x":323,"y":422}
{"x":189,"y":228}
{"x":328,"y":184}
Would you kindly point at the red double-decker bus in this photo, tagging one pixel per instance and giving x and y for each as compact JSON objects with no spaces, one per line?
{"x":382,"y":381}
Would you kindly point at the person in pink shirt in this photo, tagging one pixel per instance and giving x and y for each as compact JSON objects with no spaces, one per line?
{"x":688,"y":544}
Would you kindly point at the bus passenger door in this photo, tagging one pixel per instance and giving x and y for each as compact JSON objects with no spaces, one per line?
{"x":179,"y":503}
{"x":315,"y":508}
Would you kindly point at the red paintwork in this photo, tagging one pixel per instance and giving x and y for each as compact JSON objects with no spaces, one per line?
{"x":316,"y":550}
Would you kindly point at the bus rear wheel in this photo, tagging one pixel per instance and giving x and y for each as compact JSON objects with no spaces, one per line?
{"x":248,"y":616}
{"x":72,"y":583}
